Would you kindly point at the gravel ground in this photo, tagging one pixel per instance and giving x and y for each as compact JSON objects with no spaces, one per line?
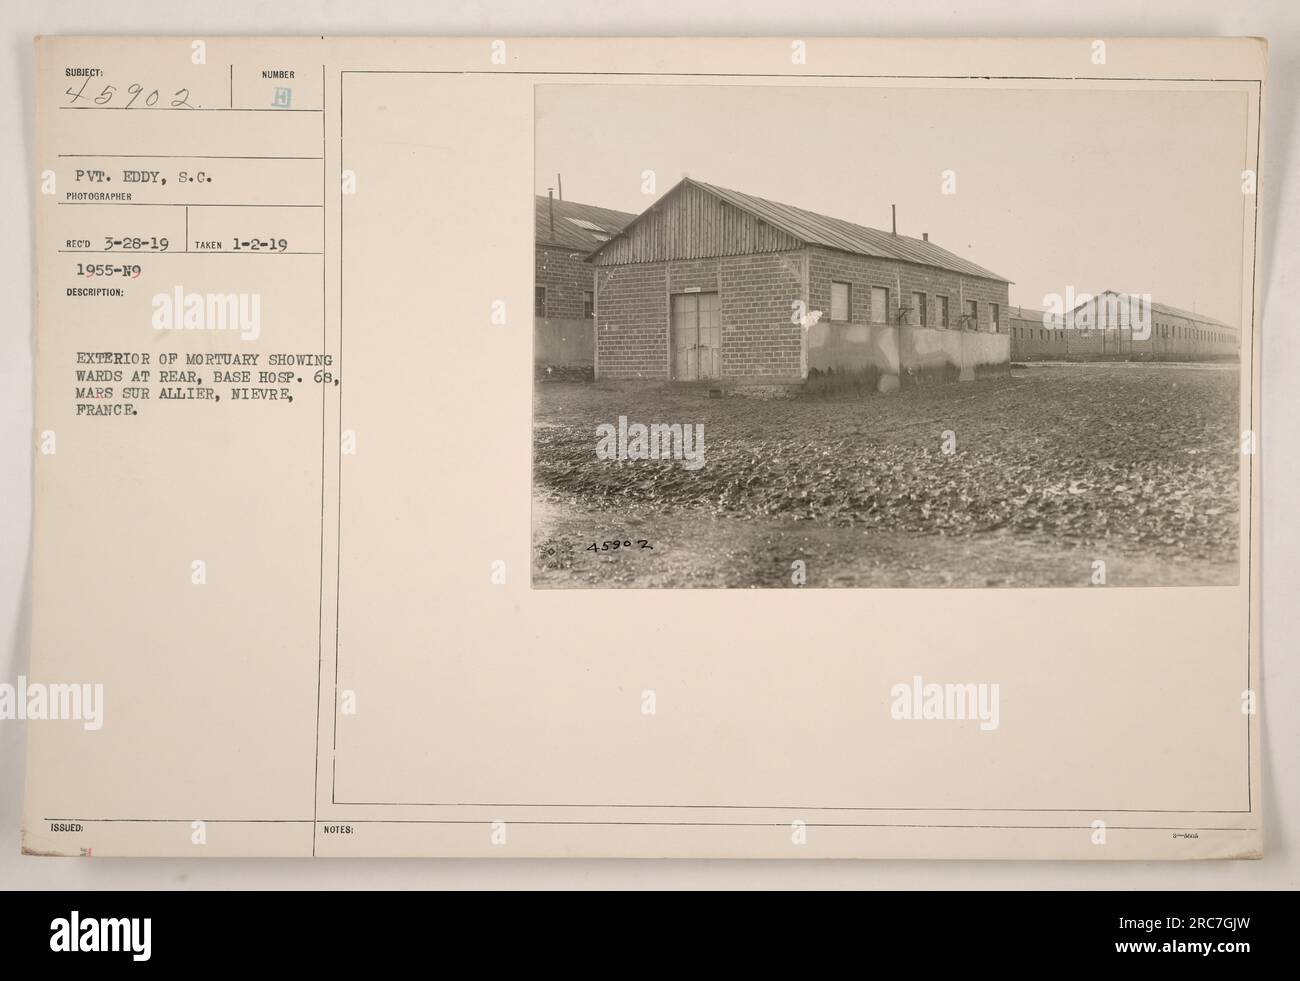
{"x":1053,"y":466}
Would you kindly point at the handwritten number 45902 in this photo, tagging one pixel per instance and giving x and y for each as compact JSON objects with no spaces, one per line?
{"x":132,"y":96}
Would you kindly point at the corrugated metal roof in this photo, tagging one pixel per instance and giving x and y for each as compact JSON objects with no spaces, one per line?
{"x":1032,"y":314}
{"x":836,"y":233}
{"x":571,"y":234}
{"x":1168,"y":311}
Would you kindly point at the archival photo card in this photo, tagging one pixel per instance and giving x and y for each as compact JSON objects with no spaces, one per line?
{"x":462,"y":447}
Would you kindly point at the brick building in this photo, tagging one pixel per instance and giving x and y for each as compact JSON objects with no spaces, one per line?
{"x":1097,"y":331}
{"x":564,"y":289}
{"x":711,"y":283}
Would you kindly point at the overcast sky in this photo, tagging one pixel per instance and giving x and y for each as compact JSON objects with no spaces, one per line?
{"x":1129,"y":190}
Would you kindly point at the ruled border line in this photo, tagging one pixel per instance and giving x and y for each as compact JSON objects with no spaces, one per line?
{"x":1250,"y":504}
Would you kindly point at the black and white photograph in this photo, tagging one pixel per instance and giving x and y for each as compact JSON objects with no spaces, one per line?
{"x":877,"y":335}
{"x":672,"y":448}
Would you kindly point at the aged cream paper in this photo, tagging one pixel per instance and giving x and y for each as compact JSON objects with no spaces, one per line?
{"x":301,"y":512}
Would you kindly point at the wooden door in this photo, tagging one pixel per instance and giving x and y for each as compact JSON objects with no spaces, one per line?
{"x":696,"y":336}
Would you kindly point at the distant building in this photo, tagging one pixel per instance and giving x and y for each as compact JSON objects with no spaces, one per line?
{"x":711,"y":283}
{"x":1114,"y":326}
{"x":1036,"y":335}
{"x":564,"y":287}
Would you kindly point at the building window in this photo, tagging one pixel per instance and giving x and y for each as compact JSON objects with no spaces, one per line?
{"x":588,"y":304}
{"x":840,"y":301}
{"x":943,"y":312}
{"x":971,"y":316}
{"x":879,"y":305}
{"x":918,"y":318}
{"x":993,"y":315}
{"x":539,"y":301}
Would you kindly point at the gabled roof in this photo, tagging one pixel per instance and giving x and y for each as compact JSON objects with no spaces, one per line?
{"x":573,"y":224}
{"x":836,"y":233}
{"x":1168,"y":311}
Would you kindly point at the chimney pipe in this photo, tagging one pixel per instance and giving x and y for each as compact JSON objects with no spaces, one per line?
{"x":893,"y":218}
{"x":925,"y":236}
{"x":559,"y":185}
{"x":550,"y":204}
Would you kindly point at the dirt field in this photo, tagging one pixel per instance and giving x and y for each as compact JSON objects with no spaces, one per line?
{"x":1054,"y":467}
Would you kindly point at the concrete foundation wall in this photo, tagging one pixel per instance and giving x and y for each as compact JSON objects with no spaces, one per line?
{"x":846,"y":348}
{"x":565,"y":341}
{"x":904,"y":351}
{"x":965,"y":350}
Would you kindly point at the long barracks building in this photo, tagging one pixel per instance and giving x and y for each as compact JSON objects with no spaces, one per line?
{"x":1091,"y":332}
